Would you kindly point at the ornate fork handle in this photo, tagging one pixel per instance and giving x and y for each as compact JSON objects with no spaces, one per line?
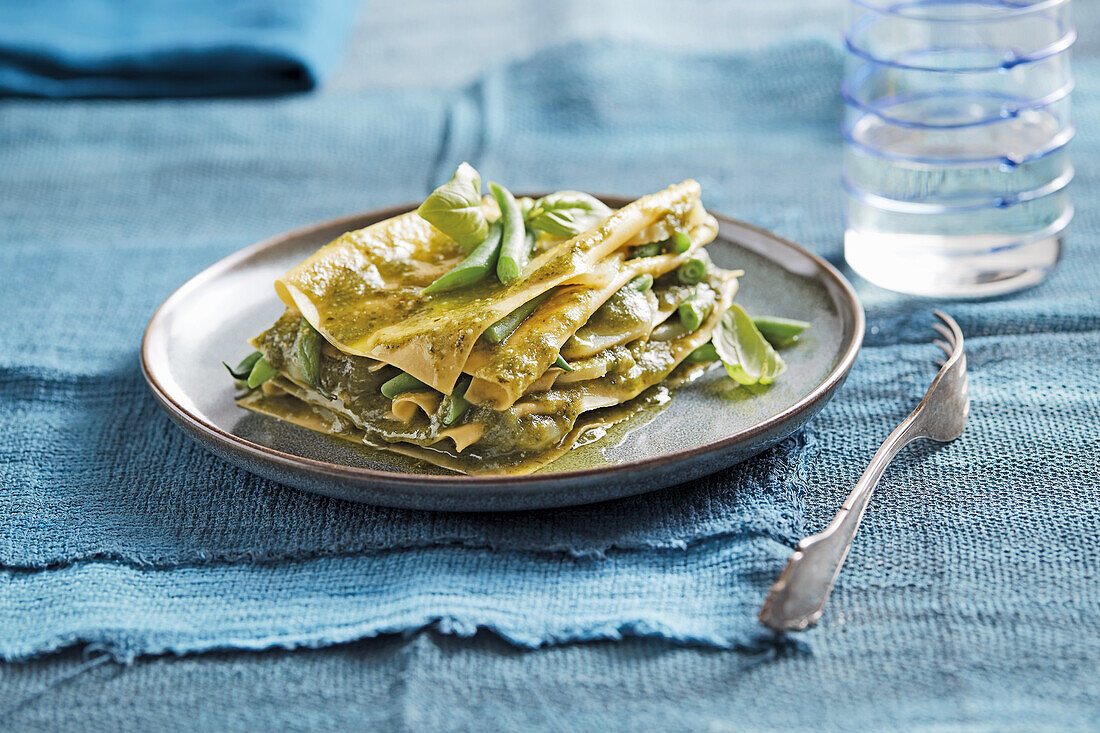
{"x":797,"y":599}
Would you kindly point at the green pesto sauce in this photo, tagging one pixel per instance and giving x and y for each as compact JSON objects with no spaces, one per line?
{"x":526,"y":364}
{"x":627,"y":311}
{"x":506,"y":436}
{"x":359,"y":389}
{"x":364,"y":298}
{"x":352,"y":307}
{"x":671,"y":292}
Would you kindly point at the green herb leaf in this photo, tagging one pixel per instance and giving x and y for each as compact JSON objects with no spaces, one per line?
{"x":567,"y":213}
{"x":746,"y":354}
{"x":455,"y":208}
{"x":309,"y":355}
{"x":261,"y":372}
{"x":243,"y":369}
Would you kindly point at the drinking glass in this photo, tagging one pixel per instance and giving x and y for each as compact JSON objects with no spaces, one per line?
{"x":957,"y":125}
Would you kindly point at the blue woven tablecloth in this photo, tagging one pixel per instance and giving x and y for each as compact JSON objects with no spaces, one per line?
{"x":969,"y":597}
{"x":139,"y":529}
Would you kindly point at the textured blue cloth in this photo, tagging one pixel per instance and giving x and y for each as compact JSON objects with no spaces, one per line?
{"x":134,"y":48}
{"x":694,"y":596}
{"x":120,"y":508}
{"x":968,"y":598}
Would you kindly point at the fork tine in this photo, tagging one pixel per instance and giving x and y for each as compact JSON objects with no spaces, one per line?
{"x":946,"y":332}
{"x":947,"y":349}
{"x":957,"y":338}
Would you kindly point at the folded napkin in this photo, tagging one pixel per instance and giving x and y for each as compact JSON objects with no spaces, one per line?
{"x":169,"y":48}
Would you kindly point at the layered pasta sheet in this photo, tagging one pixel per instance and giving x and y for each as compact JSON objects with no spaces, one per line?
{"x":600,"y":332}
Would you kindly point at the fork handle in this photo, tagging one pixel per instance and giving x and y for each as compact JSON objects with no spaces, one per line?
{"x":797,"y":598}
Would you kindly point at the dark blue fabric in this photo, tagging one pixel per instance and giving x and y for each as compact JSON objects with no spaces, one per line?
{"x":968,"y":599}
{"x":169,"y":48}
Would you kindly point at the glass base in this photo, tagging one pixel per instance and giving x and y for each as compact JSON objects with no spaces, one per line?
{"x":938,"y":266}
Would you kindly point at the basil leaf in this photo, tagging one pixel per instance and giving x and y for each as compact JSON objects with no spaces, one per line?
{"x":746,"y":354}
{"x":309,"y":355}
{"x":455,"y":208}
{"x":566,"y":213}
{"x":243,"y":369}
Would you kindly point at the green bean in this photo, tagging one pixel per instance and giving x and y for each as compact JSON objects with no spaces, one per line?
{"x":641,"y":283}
{"x":477,"y":265}
{"x":693,"y":271}
{"x":692,"y":313}
{"x":779,"y":331}
{"x":706,"y":352}
{"x":561,"y":363}
{"x":458,"y":405}
{"x":679,"y":242}
{"x":261,"y":372}
{"x":506,"y":326}
{"x":514,"y":250}
{"x":525,"y":205}
{"x":243,"y":369}
{"x":401,"y":384}
{"x":645,"y":250}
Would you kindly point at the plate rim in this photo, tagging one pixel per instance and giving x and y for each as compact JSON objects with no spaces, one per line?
{"x":518,"y":483}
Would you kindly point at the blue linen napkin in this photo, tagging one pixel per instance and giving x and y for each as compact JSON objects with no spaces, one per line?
{"x":130,"y":48}
{"x":122,"y":531}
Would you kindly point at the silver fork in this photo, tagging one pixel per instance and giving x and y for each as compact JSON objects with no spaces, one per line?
{"x":796,"y":600}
